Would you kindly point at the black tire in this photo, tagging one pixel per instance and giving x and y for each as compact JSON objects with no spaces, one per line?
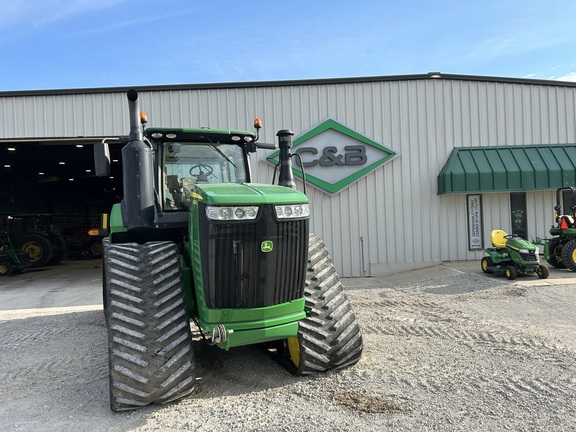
{"x":555,"y":251}
{"x":37,"y":246}
{"x":96,"y":248}
{"x":6,"y":268}
{"x":330,"y":338}
{"x":511,"y":272}
{"x":569,"y":255}
{"x":105,"y":245}
{"x":486,"y":263}
{"x":58,"y":249}
{"x":150,"y":349}
{"x":543,"y":272}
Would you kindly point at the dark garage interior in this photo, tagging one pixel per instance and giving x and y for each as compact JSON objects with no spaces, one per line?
{"x":50,"y":188}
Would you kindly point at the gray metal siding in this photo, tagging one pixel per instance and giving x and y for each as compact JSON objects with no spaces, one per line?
{"x":392,"y":217}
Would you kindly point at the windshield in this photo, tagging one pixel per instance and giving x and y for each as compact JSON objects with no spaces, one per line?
{"x":186,"y":164}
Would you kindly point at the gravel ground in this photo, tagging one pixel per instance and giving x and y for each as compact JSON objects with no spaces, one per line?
{"x":443,"y":350}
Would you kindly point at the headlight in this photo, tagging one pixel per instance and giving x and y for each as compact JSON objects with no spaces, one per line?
{"x":292,"y":211}
{"x":231,"y":213}
{"x":524,"y":251}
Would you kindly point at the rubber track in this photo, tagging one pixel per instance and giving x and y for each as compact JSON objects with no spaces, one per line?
{"x":330,"y":338}
{"x":149,"y":339}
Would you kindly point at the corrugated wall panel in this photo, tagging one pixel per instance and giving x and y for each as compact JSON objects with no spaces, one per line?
{"x":392,"y":217}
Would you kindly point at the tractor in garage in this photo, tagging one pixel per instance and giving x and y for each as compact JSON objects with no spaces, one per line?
{"x":12,"y":260}
{"x":34,"y":234}
{"x":194,"y":240}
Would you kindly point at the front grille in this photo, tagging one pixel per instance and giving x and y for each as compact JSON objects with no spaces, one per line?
{"x":532,"y":257}
{"x":237,"y":274}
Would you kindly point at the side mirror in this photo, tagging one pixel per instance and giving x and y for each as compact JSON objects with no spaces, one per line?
{"x":102,"y":159}
{"x":267,"y":146}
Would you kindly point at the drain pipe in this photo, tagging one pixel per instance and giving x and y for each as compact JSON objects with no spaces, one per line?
{"x":362,"y":262}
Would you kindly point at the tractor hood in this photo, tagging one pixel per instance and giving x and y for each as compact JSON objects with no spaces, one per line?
{"x":518,"y":243}
{"x":247,"y":194}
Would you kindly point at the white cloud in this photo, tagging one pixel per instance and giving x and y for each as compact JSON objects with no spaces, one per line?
{"x":568,"y":77}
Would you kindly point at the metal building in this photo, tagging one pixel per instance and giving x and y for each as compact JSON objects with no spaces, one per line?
{"x":398,"y":168}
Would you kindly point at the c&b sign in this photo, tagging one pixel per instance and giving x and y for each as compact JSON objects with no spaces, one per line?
{"x":335,"y":156}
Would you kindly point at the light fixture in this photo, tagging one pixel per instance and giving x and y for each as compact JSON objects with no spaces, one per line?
{"x":11,"y":149}
{"x":79,"y":146}
{"x":62,"y":163}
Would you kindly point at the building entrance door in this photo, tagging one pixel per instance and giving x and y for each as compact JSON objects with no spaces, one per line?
{"x":518,"y":214}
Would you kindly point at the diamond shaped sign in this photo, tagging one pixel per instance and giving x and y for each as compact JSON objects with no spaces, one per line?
{"x":334,"y":156}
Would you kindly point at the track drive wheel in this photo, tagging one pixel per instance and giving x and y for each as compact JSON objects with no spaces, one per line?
{"x":543,"y":272}
{"x":555,"y":248}
{"x":486,"y":263}
{"x":38,"y":248}
{"x":511,"y":272}
{"x":569,"y":255}
{"x":149,"y":340}
{"x":330,"y":338}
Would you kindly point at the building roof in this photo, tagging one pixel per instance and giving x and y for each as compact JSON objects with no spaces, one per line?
{"x":287,"y":83}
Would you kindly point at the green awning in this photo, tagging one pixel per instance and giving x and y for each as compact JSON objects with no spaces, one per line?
{"x":508,"y":168}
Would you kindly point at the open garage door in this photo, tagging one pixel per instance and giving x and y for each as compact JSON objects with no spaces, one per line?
{"x":51,"y":183}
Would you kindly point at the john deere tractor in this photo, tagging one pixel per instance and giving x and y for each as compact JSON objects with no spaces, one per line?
{"x":194,"y":240}
{"x":562,"y":245}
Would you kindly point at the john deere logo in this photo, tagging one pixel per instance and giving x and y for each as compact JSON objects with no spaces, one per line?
{"x":335,"y":156}
{"x":267,"y":246}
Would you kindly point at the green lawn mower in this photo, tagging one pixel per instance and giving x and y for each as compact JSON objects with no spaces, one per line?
{"x":512,"y":256}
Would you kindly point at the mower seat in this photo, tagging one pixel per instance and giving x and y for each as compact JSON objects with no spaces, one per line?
{"x":498,"y":239}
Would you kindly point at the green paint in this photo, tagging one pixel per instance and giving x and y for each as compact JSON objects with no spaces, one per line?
{"x":508,"y":168}
{"x":116,"y":221}
{"x":248,"y":194}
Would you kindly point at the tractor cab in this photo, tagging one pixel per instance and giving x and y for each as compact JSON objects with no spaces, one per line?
{"x":186,"y":157}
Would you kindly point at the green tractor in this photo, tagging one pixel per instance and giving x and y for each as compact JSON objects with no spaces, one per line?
{"x":12,"y":260}
{"x":512,"y":256}
{"x":193,"y":240}
{"x":34,"y":234}
{"x":563,"y":245}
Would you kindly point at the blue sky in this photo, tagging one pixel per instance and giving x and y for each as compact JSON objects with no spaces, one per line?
{"x":48,"y":44}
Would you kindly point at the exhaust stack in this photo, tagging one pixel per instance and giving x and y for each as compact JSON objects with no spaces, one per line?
{"x":286,"y":177}
{"x":138,"y":209}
